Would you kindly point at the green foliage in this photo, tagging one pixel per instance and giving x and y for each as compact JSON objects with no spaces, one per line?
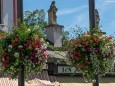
{"x":51,"y":47}
{"x":65,"y":35}
{"x":73,"y":32}
{"x":35,"y":18}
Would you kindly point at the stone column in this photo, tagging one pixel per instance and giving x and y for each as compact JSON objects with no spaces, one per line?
{"x":54,"y":35}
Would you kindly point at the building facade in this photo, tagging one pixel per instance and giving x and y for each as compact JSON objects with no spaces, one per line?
{"x":8,"y":14}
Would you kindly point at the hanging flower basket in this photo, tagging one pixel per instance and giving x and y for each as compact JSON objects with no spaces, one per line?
{"x":91,"y":54}
{"x":23,"y":46}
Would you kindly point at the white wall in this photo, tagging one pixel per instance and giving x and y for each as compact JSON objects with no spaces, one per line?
{"x":8,"y":13}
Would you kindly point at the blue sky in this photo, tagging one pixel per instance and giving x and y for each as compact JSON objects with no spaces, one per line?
{"x":75,"y":12}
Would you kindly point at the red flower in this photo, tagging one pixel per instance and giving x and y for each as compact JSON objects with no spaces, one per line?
{"x":35,"y":41}
{"x":88,"y":33}
{"x":12,"y":44}
{"x":91,"y":36}
{"x":98,"y":39}
{"x":83,"y":39}
{"x":36,"y":45}
{"x":86,"y":44}
{"x":16,"y":39}
{"x":78,"y":54}
{"x":86,"y":61}
{"x":35,"y":60}
{"x":91,"y":41}
{"x":5,"y":53}
{"x":30,"y":46}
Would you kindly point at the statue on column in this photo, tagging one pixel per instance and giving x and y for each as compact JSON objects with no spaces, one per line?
{"x":97,"y":19}
{"x":52,"y":18}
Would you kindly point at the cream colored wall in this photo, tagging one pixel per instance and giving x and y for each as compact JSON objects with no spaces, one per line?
{"x":7,"y":14}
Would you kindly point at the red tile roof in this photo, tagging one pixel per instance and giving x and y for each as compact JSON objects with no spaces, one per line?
{"x":41,"y":79}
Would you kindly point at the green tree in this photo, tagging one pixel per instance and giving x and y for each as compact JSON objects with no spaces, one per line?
{"x":65,"y":38}
{"x":35,"y":18}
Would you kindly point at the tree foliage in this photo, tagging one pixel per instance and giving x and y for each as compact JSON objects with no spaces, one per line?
{"x":36,"y":17}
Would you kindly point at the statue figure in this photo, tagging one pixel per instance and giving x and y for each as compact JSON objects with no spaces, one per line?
{"x":97,"y":18}
{"x":52,"y":14}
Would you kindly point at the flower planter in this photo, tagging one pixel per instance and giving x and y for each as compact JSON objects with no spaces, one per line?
{"x":22,"y":51}
{"x":91,"y":54}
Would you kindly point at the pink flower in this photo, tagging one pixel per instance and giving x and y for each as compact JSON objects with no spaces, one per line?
{"x":110,"y":37}
{"x":25,"y":45}
{"x":7,"y":58}
{"x":35,"y":41}
{"x":84,"y":33}
{"x":4,"y":64}
{"x":41,"y":39}
{"x":76,"y":57}
{"x":35,"y":51}
{"x":35,"y":60}
{"x":88,"y":49}
{"x":22,"y":57}
{"x":78,"y":54}
{"x":44,"y":56}
{"x":33,"y":54}
{"x":97,"y":49}
{"x":82,"y":46}
{"x":5,"y":53}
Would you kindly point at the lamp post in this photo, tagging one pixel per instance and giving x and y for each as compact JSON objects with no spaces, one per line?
{"x":0,"y":12}
{"x":92,"y":28}
{"x":21,"y":66}
{"x":20,"y":9}
{"x":92,"y":14}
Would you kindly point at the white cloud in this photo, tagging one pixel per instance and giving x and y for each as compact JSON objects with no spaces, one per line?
{"x":110,"y":1}
{"x":82,"y":19}
{"x":103,"y":5}
{"x":71,"y":10}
